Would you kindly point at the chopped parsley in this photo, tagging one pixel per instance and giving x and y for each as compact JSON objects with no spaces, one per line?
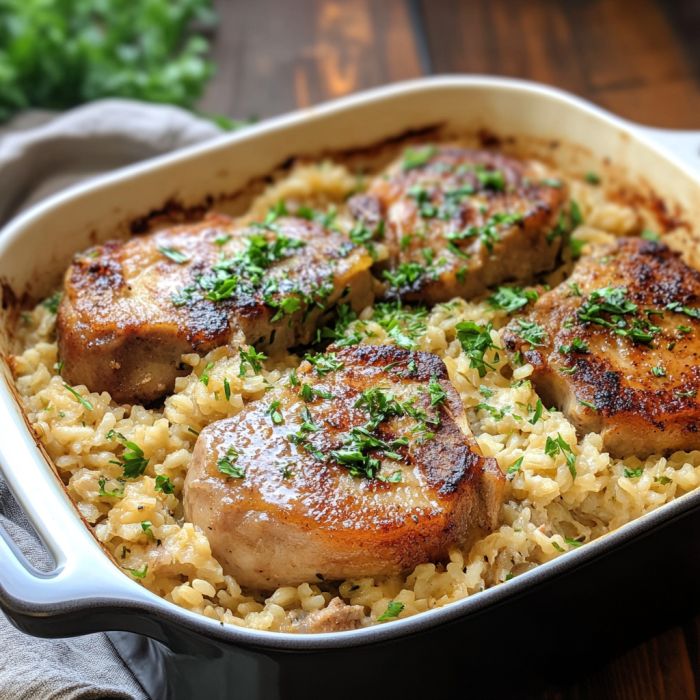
{"x":592,"y":178}
{"x":490,"y":179}
{"x":475,"y":339}
{"x":510,"y":299}
{"x":531,"y":332}
{"x":488,"y":233}
{"x":112,"y":493}
{"x":227,"y":389}
{"x":250,"y":358}
{"x":52,"y":302}
{"x":164,"y":484}
{"x":417,"y":157}
{"x":275,"y":414}
{"x":204,"y":376}
{"x":437,"y":393}
{"x":554,"y":446}
{"x":649,"y":235}
{"x":633,"y":473}
{"x":677,"y":307}
{"x":139,"y":573}
{"x":405,"y":275}
{"x":658,"y":371}
{"x":80,"y":399}
{"x":537,"y":413}
{"x":177,"y":256}
{"x":572,"y":542}
{"x":576,"y":345}
{"x":393,"y":610}
{"x":403,"y":324}
{"x":324,"y":363}
{"x":227,"y":464}
{"x":663,"y":480}
{"x":515,"y":467}
{"x":132,"y":461}
{"x":147,"y":527}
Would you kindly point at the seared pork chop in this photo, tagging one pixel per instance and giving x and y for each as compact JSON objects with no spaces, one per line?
{"x":363,"y":465}
{"x":617,"y":348}
{"x":458,"y":221}
{"x":132,"y":308}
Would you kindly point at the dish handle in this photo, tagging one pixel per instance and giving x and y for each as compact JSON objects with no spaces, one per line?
{"x":685,"y":145}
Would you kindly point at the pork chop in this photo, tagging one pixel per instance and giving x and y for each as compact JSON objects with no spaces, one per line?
{"x":130,"y":309}
{"x":458,"y":220}
{"x":364,"y":465}
{"x":617,"y":348}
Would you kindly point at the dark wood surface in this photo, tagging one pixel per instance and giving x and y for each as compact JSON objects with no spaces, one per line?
{"x":638,"y":58}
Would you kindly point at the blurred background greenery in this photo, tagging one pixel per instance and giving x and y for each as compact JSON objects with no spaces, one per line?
{"x":55,"y":54}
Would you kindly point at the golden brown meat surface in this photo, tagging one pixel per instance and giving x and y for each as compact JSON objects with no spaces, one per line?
{"x":130,"y":309}
{"x":617,"y":348}
{"x":458,"y":220}
{"x":363,"y":465}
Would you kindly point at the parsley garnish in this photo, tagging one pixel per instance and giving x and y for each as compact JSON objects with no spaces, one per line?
{"x":576,"y":345}
{"x":488,"y":233}
{"x":325,"y":363}
{"x":649,"y":235}
{"x":274,"y":412}
{"x":227,"y":464}
{"x":554,"y":446}
{"x":531,"y":332}
{"x":114,"y":493}
{"x":177,"y":256}
{"x":52,"y":302}
{"x":437,"y":393}
{"x":515,"y":467}
{"x":80,"y":399}
{"x":510,"y":299}
{"x":139,"y":573}
{"x":204,"y":377}
{"x":475,"y":339}
{"x":227,"y":389}
{"x":592,"y":178}
{"x":537,"y":414}
{"x":164,"y":484}
{"x":252,"y":358}
{"x":405,"y":275}
{"x":393,"y":610}
{"x":403,"y":324}
{"x":658,"y":371}
{"x":133,"y":461}
{"x":417,"y":157}
{"x":633,"y":473}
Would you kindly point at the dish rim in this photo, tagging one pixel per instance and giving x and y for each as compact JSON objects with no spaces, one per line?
{"x":125,"y":593}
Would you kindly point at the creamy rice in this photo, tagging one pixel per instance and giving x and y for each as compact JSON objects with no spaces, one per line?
{"x":546,"y":511}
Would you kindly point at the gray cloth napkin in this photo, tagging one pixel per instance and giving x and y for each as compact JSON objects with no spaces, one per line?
{"x":39,"y":155}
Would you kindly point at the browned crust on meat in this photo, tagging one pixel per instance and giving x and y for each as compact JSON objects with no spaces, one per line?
{"x":361,"y":526}
{"x":637,"y":411}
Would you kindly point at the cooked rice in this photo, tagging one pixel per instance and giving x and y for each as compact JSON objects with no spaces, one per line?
{"x":546,"y":511}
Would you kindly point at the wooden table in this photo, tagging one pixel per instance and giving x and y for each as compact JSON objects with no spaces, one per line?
{"x":638,"y":58}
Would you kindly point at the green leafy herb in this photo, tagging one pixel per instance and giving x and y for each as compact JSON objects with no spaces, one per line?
{"x":554,"y":446}
{"x":147,"y":527}
{"x":576,"y":345}
{"x":510,"y":299}
{"x":324,"y":363}
{"x":592,"y":178}
{"x":417,"y":157}
{"x":531,"y":332}
{"x":557,"y":546}
{"x":204,"y":376}
{"x":227,"y":464}
{"x":658,"y":371}
{"x":393,"y":610}
{"x":552,"y":182}
{"x":133,"y":461}
{"x":649,"y":235}
{"x":588,"y":404}
{"x":275,"y":414}
{"x":113,"y":493}
{"x":57,"y":55}
{"x":80,"y":399}
{"x":572,"y":542}
{"x":491,"y":179}
{"x":405,"y":275}
{"x":662,"y":480}
{"x":309,"y":393}
{"x":488,"y":233}
{"x":537,"y":413}
{"x":515,"y":467}
{"x":677,"y":307}
{"x":633,"y":473}
{"x":403,"y":324}
{"x":52,"y":302}
{"x":250,"y":358}
{"x":227,"y":389}
{"x":437,"y":393}
{"x":139,"y":573}
{"x":475,"y":339}
{"x":164,"y":484}
{"x":177,"y":256}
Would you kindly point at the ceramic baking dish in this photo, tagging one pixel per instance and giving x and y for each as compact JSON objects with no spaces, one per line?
{"x":581,"y":600}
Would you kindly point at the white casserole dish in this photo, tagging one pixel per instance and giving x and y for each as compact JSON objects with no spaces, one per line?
{"x":86,"y":592}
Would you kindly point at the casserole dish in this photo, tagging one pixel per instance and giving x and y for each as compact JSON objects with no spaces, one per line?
{"x":570,"y":606}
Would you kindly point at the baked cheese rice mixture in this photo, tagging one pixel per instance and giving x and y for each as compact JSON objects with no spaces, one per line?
{"x":369,"y":396}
